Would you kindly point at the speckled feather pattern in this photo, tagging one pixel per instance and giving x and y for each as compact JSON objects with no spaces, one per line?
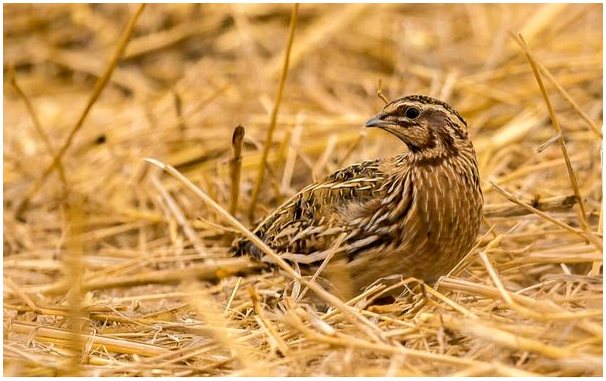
{"x":416,"y":214}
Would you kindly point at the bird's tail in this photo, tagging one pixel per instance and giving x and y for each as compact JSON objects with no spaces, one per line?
{"x":242,"y":246}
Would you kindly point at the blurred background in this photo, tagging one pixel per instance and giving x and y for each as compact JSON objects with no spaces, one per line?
{"x":192,"y":72}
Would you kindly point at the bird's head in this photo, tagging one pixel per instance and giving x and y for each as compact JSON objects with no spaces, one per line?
{"x":426,"y":125}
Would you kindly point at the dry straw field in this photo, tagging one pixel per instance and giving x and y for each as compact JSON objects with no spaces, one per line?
{"x":114,"y":267}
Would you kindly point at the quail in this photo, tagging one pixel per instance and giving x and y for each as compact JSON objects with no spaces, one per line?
{"x":414,"y":215}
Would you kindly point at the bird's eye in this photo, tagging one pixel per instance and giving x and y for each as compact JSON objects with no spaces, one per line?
{"x":412,"y":112}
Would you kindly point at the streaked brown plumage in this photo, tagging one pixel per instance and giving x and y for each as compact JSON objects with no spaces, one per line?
{"x":416,"y":214}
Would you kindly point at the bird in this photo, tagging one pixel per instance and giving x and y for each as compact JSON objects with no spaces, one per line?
{"x":416,"y":214}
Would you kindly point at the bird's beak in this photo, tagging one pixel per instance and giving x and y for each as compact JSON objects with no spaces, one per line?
{"x":377,"y":121}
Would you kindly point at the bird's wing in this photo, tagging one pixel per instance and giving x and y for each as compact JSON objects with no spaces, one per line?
{"x":306,"y":225}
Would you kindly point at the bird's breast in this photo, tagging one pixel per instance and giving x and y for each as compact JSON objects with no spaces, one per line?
{"x":449,"y":209}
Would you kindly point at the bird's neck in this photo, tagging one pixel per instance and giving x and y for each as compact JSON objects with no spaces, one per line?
{"x":463,"y":159}
{"x":436,"y":156}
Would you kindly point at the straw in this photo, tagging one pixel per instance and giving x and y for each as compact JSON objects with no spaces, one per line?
{"x":120,"y":268}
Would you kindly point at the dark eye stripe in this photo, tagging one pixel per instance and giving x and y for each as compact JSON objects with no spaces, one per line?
{"x":405,"y":109}
{"x":425,"y":100}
